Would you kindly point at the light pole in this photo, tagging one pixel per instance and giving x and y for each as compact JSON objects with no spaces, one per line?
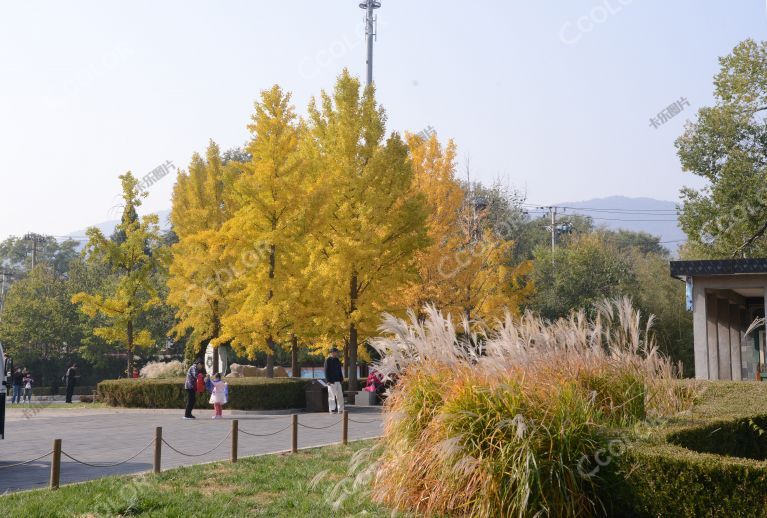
{"x":370,"y":33}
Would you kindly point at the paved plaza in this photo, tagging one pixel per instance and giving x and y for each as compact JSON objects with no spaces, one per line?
{"x":106,"y":436}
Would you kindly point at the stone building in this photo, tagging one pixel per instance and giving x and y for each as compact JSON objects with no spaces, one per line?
{"x":727,"y":298}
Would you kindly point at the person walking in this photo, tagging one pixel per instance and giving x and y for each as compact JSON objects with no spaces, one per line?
{"x":70,"y":378}
{"x":27,"y":387}
{"x":190,"y":385}
{"x":334,"y":375}
{"x":18,"y":382}
{"x":219,"y":393}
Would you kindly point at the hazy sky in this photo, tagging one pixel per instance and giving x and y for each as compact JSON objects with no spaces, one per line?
{"x":553,"y":97}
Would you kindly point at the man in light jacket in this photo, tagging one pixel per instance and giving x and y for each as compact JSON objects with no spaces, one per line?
{"x":334,"y":375}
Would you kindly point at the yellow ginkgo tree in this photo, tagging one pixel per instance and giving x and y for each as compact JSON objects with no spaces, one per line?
{"x":266,"y":237}
{"x":132,"y":254}
{"x":372,"y":221}
{"x":200,"y":277}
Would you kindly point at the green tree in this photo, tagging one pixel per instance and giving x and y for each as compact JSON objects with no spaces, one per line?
{"x":38,"y":322}
{"x":727,"y":146}
{"x":663,"y":296}
{"x":132,"y":257}
{"x":588,"y":270}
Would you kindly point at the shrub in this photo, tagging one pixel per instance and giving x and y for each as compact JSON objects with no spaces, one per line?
{"x":666,"y":480}
{"x":740,"y":438}
{"x":244,"y":393}
{"x":495,"y":423}
{"x":160,"y":370}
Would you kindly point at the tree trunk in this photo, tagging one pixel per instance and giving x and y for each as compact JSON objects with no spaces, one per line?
{"x":353,"y":288}
{"x":216,"y":332}
{"x":130,"y":348}
{"x":294,"y":368}
{"x":346,"y":358}
{"x":270,"y":358}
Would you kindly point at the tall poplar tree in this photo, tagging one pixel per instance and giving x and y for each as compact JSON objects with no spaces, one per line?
{"x":131,"y":257}
{"x":373,"y":220}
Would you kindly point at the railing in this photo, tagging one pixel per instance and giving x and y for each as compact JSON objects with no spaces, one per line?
{"x":158,"y":441}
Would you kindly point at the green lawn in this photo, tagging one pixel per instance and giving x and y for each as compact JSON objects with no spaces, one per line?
{"x":314,"y":482}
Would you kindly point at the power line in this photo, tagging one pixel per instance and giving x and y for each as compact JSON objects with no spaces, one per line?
{"x":606,"y":209}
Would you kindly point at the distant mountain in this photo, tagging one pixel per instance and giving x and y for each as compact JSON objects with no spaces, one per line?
{"x":107,"y":227}
{"x":656,"y":217}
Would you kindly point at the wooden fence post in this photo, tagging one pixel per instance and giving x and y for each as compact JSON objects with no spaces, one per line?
{"x":345,"y":429}
{"x":235,"y":436}
{"x":157,"y":449}
{"x":56,"y":464}
{"x":294,"y":445}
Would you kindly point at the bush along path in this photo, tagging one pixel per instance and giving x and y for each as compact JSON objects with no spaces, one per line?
{"x":244,"y":393}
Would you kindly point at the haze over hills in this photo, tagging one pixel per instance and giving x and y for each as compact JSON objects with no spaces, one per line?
{"x":656,"y":217}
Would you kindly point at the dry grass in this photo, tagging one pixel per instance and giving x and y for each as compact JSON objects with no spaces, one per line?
{"x":494,"y":422}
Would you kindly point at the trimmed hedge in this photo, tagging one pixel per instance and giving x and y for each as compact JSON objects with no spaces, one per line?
{"x":666,"y":480}
{"x":244,"y":393}
{"x":708,"y":463}
{"x":740,"y":438}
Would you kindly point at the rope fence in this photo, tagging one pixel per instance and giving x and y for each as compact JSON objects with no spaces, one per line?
{"x":158,"y":441}
{"x":197,"y":454}
{"x":26,"y":461}
{"x":108,"y":465}
{"x":263,"y":434}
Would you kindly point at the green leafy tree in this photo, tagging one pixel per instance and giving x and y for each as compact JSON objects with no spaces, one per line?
{"x":132,"y":257}
{"x":38,"y":322}
{"x":589,"y":270}
{"x":727,"y":146}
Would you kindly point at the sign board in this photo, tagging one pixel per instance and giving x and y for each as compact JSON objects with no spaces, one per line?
{"x":688,"y":293}
{"x":223,"y":356}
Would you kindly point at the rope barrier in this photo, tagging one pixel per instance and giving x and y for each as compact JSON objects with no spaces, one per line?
{"x":26,"y":461}
{"x":111,"y":464}
{"x":364,"y":422}
{"x":197,"y":454}
{"x":263,"y":434}
{"x":319,"y":427}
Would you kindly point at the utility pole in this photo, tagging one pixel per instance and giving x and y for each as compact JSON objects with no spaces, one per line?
{"x":35,"y":238}
{"x":552,"y":227}
{"x":3,"y":273}
{"x":370,"y":33}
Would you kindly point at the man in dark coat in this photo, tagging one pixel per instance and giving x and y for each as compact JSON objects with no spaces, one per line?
{"x":190,"y":385}
{"x":71,"y":380}
{"x":334,"y":375}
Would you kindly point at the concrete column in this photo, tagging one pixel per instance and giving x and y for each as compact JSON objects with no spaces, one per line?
{"x":746,"y":352}
{"x":723,"y":336}
{"x":712,"y":336}
{"x":736,"y":328}
{"x":700,"y":343}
